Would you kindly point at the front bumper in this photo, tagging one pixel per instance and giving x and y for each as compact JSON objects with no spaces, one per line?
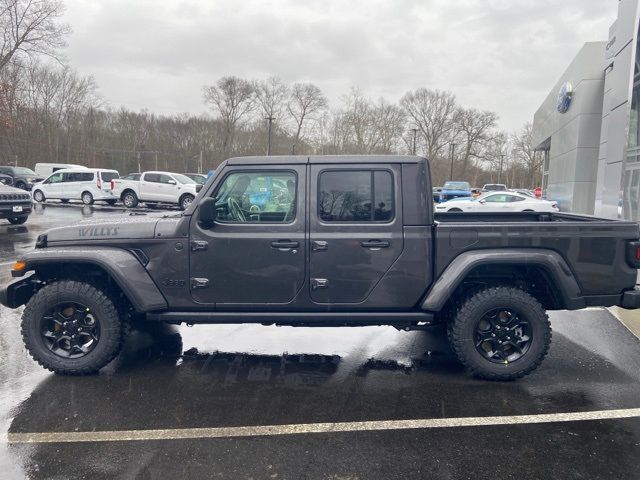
{"x":631,"y":299}
{"x":18,"y":292}
{"x":7,"y":210}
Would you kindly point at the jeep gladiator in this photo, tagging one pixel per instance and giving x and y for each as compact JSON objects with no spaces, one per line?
{"x":322,"y":241}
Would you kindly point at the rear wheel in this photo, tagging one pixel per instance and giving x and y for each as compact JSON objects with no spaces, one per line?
{"x":500,"y":333}
{"x":38,"y":196}
{"x":72,"y":328}
{"x":87,"y":198}
{"x":17,"y":220}
{"x":130,"y":199}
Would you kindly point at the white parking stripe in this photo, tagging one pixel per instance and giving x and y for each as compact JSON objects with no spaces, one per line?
{"x":307,"y":428}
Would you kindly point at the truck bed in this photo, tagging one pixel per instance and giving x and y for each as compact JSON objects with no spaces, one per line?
{"x":595,"y":248}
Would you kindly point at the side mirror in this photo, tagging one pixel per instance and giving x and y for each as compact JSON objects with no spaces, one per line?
{"x":171,"y":182}
{"x":482,"y":201}
{"x":199,"y":187}
{"x":207,"y":212}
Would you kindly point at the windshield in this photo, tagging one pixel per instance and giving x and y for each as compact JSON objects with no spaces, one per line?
{"x":182,"y":178}
{"x":23,"y":171}
{"x":457,"y":186}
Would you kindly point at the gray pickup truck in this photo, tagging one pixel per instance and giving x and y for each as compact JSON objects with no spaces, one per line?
{"x":322,"y":241}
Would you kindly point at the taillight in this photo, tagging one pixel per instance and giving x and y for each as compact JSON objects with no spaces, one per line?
{"x":633,"y":254}
{"x":113,"y":184}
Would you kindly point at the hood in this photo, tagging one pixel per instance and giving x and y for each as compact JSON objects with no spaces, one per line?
{"x":115,"y":228}
{"x":8,"y":189}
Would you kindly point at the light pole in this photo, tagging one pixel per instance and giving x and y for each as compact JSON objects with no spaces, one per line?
{"x":415,"y":133}
{"x":270,"y":119}
{"x":500,"y":169}
{"x":453,"y":152}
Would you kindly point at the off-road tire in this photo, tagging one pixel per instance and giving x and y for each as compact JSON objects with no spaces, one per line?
{"x":114,"y":327}
{"x":461,"y":332}
{"x":130,"y":199}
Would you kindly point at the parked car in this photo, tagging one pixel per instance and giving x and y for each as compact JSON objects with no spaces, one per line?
{"x":86,"y":184}
{"x":15,"y":204}
{"x":494,"y":187}
{"x":499,"y":202}
{"x":6,"y":179}
{"x":156,"y":187}
{"x":435,"y":191}
{"x":23,"y":177}
{"x":131,"y":176}
{"x":197,"y":177}
{"x":455,"y":189}
{"x":352,"y":241}
{"x":522,"y":191}
{"x":43,"y":170}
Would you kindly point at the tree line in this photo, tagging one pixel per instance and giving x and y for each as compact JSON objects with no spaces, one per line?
{"x":49,"y":113}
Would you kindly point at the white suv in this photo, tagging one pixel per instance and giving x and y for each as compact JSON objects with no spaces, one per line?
{"x":86,"y":184}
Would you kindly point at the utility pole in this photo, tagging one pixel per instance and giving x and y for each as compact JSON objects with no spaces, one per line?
{"x":156,"y":157}
{"x":270,"y":119}
{"x":200,"y":163}
{"x":293,"y":149}
{"x":500,"y":169}
{"x":453,"y":153}
{"x":415,"y":133}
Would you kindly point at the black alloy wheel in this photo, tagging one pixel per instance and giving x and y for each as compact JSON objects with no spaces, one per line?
{"x":502,"y":336}
{"x":70,"y":330}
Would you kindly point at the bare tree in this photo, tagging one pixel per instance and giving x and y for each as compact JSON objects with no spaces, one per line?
{"x":474,"y":130}
{"x":31,"y":27}
{"x":232,"y":98}
{"x":432,"y":113}
{"x":306,"y":102}
{"x":271,"y":95}
{"x":524,"y":154}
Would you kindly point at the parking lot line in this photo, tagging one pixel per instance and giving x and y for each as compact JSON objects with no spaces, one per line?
{"x":309,"y":428}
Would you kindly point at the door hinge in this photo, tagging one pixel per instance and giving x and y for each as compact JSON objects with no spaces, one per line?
{"x":199,"y":245}
{"x":317,"y":283}
{"x":199,"y":283}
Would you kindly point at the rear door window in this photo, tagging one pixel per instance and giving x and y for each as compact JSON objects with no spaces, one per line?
{"x":108,"y":176}
{"x":356,"y":196}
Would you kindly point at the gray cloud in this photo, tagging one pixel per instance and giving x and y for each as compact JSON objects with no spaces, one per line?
{"x":500,"y":55}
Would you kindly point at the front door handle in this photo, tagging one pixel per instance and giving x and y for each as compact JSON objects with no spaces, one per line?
{"x":285,"y":244}
{"x":375,"y":244}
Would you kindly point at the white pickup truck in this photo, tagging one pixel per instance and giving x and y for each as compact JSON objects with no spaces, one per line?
{"x":155,"y":187}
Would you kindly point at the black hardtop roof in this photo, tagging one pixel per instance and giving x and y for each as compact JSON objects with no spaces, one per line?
{"x":323,"y":159}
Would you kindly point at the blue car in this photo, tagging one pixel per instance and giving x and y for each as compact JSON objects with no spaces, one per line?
{"x":454,"y":190}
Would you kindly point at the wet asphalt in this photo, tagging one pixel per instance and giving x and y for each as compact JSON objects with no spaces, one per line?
{"x":246,"y":375}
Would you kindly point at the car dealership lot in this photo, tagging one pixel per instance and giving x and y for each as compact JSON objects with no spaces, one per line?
{"x":190,"y":382}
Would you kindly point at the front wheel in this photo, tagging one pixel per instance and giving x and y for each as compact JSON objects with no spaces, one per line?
{"x":185,"y":201}
{"x":500,"y":333}
{"x":38,"y":196}
{"x":17,"y":220}
{"x":72,"y":328}
{"x":130,"y":200}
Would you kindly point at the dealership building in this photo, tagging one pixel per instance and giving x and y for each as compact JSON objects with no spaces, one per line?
{"x":587,"y":128}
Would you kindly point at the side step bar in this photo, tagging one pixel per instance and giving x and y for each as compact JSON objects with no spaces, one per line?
{"x":302,"y":319}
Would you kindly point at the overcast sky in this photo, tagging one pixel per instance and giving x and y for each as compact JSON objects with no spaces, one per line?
{"x":500,"y":55}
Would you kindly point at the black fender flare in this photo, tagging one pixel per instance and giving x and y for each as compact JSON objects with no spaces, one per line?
{"x":122,"y":266}
{"x":552,"y":262}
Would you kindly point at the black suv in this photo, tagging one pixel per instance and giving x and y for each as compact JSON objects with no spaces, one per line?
{"x":15,"y":205}
{"x":23,"y":178}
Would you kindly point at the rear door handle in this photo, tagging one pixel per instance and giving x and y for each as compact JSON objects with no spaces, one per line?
{"x":285,"y":244}
{"x":375,"y":244}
